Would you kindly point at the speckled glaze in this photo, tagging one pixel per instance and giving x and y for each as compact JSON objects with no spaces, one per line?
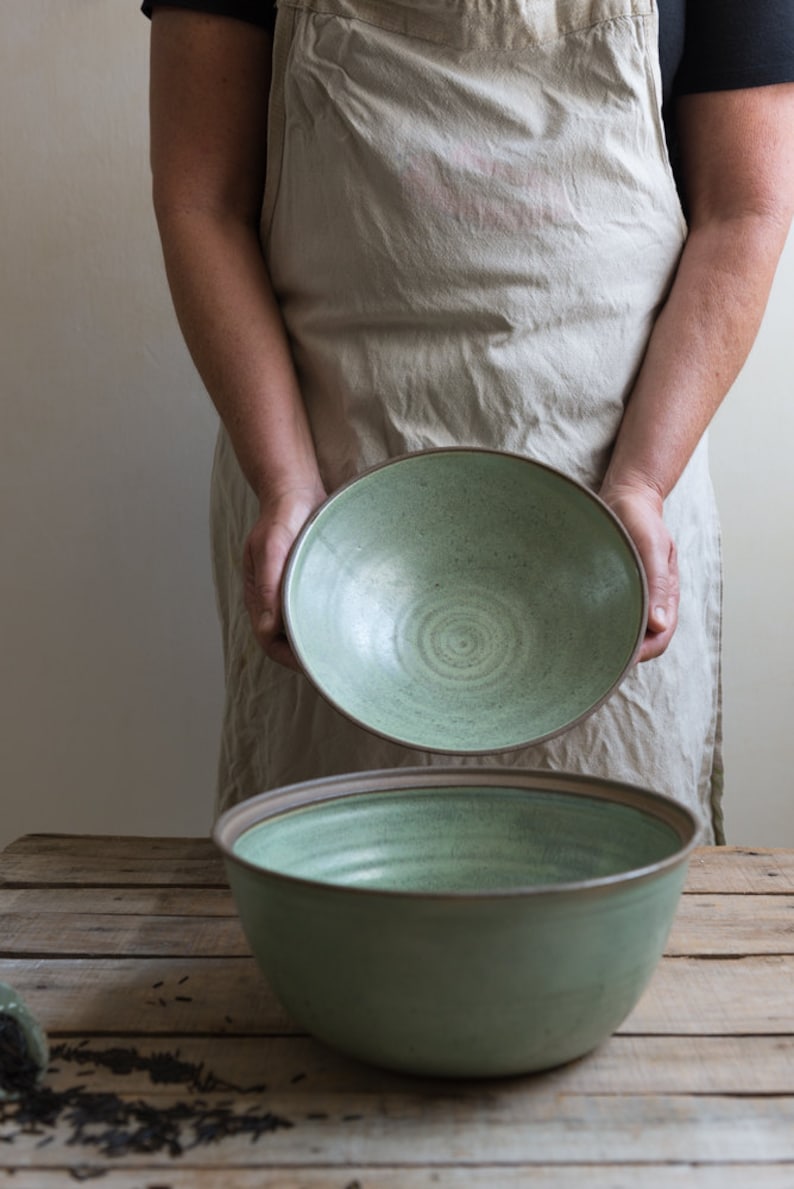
{"x":458,"y":922}
{"x":464,"y":601}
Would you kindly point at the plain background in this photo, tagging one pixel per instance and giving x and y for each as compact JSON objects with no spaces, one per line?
{"x":111,"y":679}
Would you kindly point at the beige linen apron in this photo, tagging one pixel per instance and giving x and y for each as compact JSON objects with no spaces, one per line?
{"x":470,"y":222}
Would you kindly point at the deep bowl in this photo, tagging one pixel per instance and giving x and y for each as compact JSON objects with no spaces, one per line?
{"x":464,"y":601}
{"x":458,"y":922}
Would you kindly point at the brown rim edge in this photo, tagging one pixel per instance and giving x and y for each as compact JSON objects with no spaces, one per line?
{"x":240,"y":818}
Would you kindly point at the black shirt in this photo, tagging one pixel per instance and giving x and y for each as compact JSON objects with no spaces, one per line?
{"x":704,"y":45}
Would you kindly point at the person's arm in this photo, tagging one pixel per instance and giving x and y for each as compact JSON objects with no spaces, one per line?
{"x":738,"y":160}
{"x":208,"y":109}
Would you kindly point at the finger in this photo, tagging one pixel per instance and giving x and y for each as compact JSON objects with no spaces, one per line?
{"x":262,"y":581}
{"x":654,"y":644}
{"x":265,"y":616}
{"x":280,"y":651}
{"x":663,"y":601}
{"x":264,"y":561}
{"x":659,"y":616}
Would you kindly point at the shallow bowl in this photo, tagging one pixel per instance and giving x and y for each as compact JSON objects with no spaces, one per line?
{"x":458,"y":922}
{"x":464,"y":601}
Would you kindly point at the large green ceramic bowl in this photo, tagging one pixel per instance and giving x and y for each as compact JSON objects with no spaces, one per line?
{"x":457,"y":921}
{"x":464,"y":601}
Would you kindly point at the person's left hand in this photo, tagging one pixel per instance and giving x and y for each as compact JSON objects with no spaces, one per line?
{"x":640,"y":510}
{"x":264,"y":560}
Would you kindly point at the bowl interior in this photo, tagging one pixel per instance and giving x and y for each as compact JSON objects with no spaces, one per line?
{"x":474,"y":840}
{"x":464,"y":601}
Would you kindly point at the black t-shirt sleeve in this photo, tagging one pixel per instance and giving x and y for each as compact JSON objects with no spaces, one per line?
{"x":730,"y":44}
{"x":255,"y":12}
{"x":726,"y":44}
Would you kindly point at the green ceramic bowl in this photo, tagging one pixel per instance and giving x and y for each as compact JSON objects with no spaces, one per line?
{"x":464,"y":601}
{"x":458,"y":922}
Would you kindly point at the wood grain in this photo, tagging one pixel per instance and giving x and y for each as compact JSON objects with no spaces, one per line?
{"x":203,"y":922}
{"x":55,"y":859}
{"x":497,"y":1176}
{"x":133,"y":944}
{"x":622,"y":1065}
{"x":687,"y":996}
{"x":525,"y":1125}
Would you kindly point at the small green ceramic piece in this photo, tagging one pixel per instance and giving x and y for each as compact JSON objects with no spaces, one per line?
{"x":458,"y":922}
{"x":464,"y":601}
{"x":24,"y":1052}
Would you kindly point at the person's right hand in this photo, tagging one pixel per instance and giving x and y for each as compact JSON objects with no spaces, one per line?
{"x":265,"y":556}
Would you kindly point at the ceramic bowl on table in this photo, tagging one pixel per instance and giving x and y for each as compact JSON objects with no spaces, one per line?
{"x":464,"y":601}
{"x":458,"y":921}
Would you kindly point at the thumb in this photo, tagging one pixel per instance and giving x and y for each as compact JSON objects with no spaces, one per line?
{"x":663,"y":588}
{"x":662,"y":577}
{"x":658,"y":613}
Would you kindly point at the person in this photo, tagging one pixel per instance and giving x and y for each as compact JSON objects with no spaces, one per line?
{"x":548,"y":228}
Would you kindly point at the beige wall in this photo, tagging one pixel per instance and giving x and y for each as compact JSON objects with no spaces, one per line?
{"x":753,"y":469}
{"x":110,"y":691}
{"x":110,"y":674}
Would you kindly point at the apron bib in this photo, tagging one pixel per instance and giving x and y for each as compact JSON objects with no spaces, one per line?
{"x":470,"y":222}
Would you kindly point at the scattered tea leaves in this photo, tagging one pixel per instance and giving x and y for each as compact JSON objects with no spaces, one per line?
{"x":163,"y":1068}
{"x":116,"y":1126}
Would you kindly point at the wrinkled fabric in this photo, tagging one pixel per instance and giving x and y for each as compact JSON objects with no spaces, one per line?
{"x":470,"y":222}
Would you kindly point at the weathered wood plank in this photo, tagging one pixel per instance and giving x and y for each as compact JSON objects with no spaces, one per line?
{"x":114,"y":846}
{"x":98,"y":870}
{"x":622,"y":1065}
{"x":127,"y":936}
{"x":741,"y":870}
{"x":519,"y":1125}
{"x":687,"y":996}
{"x":183,"y":1174}
{"x":110,"y":860}
{"x":154,"y":995}
{"x":55,"y":859}
{"x":733,"y":925}
{"x":130,"y":923}
{"x":150,"y":902}
{"x":713,"y":996}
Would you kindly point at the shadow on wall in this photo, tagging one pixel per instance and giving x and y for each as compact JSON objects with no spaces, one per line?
{"x":111,"y":701}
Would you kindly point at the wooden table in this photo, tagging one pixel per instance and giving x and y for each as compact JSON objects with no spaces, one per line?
{"x":129,"y":952}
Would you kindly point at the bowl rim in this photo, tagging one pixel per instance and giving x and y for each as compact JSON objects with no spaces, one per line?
{"x":237,"y":820}
{"x":299,"y":545}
